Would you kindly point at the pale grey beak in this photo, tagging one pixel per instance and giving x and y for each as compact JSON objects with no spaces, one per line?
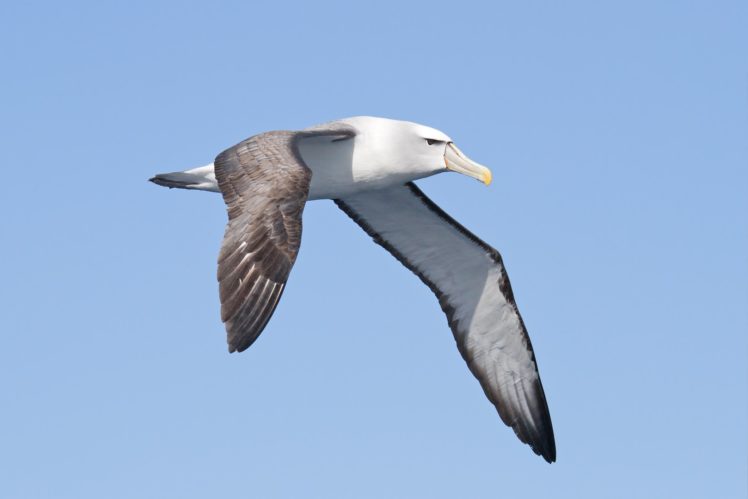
{"x":458,"y":162}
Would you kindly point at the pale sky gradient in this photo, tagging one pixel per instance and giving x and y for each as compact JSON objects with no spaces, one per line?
{"x":617,"y":134}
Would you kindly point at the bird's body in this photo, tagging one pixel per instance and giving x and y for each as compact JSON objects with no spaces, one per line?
{"x":367,"y":166}
{"x":342,"y":166}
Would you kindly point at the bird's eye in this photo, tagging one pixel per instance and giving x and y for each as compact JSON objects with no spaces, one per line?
{"x":431,"y":142}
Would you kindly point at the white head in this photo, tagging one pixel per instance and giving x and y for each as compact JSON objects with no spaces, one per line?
{"x":407,"y":151}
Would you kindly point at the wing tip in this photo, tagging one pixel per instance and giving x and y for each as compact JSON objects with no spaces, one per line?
{"x":535,"y":429}
{"x":238,"y":346}
{"x":542,"y":442}
{"x":540,"y":439}
{"x":548,"y":452}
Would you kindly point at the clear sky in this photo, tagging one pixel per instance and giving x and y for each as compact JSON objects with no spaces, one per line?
{"x":618,"y":137}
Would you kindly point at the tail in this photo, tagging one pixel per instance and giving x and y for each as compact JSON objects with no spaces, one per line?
{"x":202,"y":179}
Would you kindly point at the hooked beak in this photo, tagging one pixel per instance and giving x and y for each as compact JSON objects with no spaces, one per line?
{"x":458,"y":162}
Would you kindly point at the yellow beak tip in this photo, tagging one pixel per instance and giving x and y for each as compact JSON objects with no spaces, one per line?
{"x":487,"y":177}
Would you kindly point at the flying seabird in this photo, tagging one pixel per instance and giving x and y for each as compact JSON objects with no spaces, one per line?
{"x":367,"y":166}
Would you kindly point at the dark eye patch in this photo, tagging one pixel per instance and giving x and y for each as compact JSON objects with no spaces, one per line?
{"x":431,"y":142}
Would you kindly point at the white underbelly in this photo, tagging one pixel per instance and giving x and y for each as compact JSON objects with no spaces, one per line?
{"x":333,"y":173}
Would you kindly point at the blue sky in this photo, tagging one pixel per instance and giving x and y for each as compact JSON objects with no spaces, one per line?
{"x":617,"y":138}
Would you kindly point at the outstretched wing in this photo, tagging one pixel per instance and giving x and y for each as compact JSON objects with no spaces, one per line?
{"x":469,"y":279}
{"x":265,"y":185}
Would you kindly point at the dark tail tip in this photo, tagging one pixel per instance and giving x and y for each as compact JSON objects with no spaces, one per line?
{"x":171,"y":180}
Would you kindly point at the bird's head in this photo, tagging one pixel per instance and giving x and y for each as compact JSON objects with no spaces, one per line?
{"x":411,"y":148}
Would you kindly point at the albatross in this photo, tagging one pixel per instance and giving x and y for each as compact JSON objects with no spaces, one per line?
{"x":367,"y":166}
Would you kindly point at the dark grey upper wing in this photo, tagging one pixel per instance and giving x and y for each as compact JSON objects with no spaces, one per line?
{"x":265,"y":184}
{"x":469,"y":279}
